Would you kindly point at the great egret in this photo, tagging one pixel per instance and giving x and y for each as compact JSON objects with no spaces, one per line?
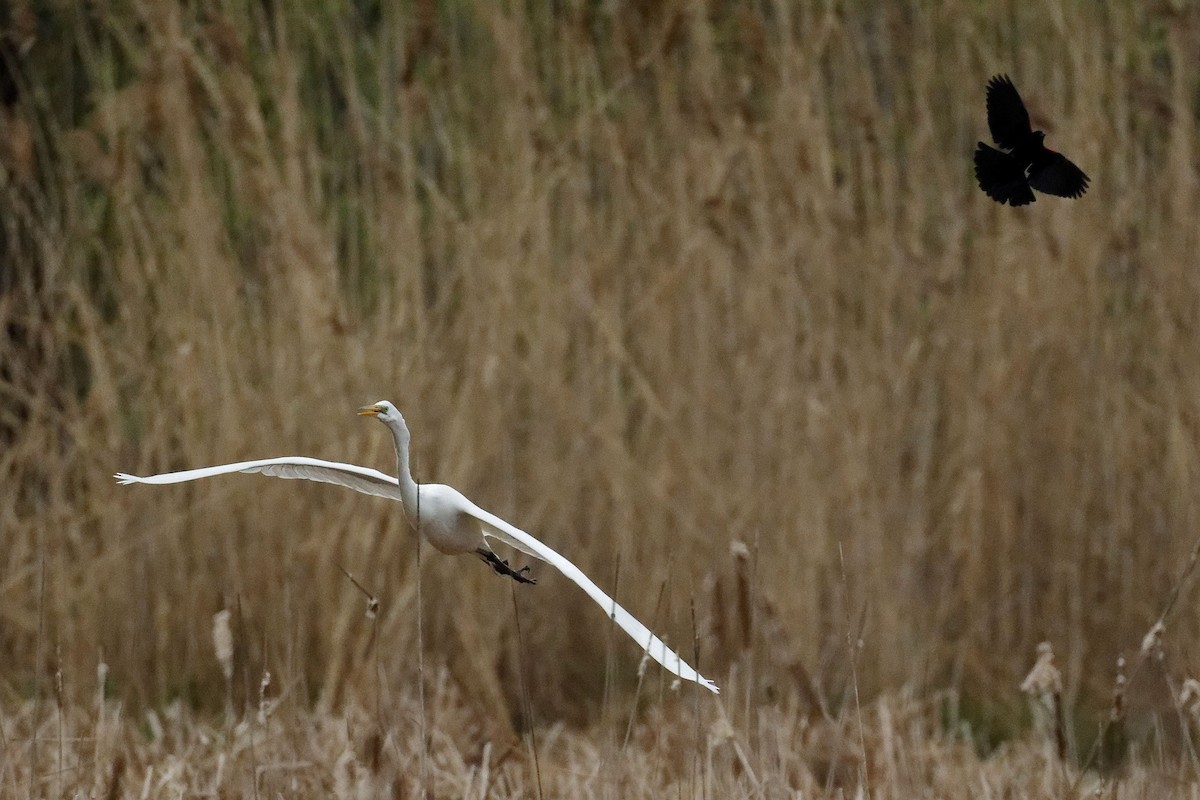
{"x":447,"y":519}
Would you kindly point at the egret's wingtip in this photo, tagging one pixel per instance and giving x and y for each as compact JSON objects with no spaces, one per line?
{"x":124,"y":479}
{"x":712,"y":687}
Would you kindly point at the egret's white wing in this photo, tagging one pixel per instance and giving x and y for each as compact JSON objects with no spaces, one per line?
{"x":360,"y":479}
{"x":513,"y":536}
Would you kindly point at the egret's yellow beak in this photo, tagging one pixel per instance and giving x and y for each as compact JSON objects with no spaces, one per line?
{"x":370,"y":411}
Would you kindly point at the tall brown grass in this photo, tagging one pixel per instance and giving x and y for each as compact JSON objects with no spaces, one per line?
{"x":646,"y":279}
{"x":91,"y":751}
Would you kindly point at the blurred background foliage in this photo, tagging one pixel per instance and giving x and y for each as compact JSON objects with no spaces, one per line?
{"x":648,"y":279}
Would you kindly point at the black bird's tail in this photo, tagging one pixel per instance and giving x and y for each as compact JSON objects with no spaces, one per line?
{"x":1001,"y":176}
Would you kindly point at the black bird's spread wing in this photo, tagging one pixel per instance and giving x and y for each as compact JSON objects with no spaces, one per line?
{"x":1001,"y":177}
{"x":1007,"y":117}
{"x":1059,"y":177}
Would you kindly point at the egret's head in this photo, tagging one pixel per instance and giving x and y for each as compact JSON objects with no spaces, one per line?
{"x":382,"y":411}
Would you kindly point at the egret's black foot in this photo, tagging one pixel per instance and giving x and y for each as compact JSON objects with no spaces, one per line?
{"x":502,"y":568}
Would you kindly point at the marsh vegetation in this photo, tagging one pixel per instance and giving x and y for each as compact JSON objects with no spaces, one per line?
{"x":704,"y":296}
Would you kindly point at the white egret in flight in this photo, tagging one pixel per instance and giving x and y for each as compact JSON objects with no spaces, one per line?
{"x":448,"y":521}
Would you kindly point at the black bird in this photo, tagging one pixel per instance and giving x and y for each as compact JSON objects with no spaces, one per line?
{"x":1025,"y":163}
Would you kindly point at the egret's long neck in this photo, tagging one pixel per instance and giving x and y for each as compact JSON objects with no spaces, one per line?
{"x":408,"y":487}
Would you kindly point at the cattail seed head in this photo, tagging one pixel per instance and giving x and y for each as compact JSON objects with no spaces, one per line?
{"x":1118,"y":700}
{"x":1189,"y":699}
{"x":263,"y":703}
{"x":1044,"y":678}
{"x":223,"y":641}
{"x":1152,"y":641}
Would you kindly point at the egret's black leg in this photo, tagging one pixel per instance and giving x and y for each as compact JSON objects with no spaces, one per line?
{"x":502,"y":568}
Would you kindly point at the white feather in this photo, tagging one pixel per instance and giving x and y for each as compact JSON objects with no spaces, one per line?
{"x":451,"y":522}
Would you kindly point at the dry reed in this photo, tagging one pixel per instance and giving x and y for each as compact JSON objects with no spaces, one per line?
{"x":646,"y":279}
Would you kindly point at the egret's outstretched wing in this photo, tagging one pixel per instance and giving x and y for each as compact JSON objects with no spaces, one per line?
{"x":513,"y":536}
{"x":360,"y":479}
